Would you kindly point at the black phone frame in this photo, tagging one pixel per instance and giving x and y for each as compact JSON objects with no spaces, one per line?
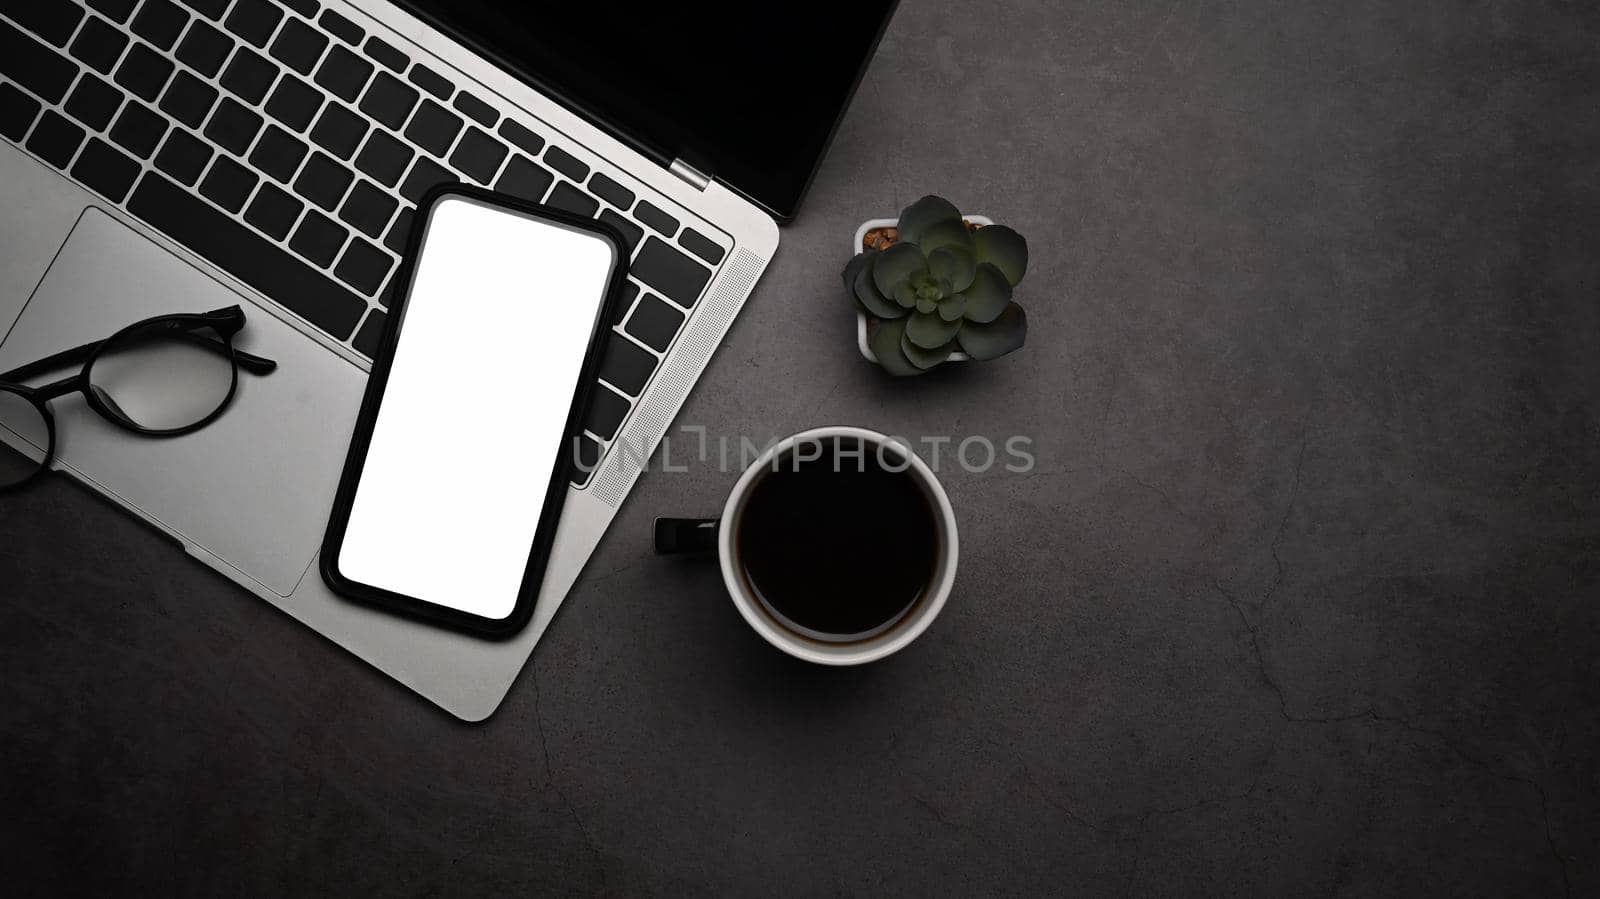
{"x":372,"y":401}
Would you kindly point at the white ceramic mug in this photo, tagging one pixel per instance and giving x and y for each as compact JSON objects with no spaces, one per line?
{"x":674,"y":535}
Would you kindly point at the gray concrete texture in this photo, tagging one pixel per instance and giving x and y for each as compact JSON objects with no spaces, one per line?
{"x":1299,"y":599}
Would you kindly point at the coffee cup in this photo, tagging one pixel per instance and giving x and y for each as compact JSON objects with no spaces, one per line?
{"x":837,"y":545}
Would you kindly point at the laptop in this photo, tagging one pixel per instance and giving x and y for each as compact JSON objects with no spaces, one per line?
{"x":162,"y":157}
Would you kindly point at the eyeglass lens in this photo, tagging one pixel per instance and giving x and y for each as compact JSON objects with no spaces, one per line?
{"x":160,"y":379}
{"x":24,"y":438}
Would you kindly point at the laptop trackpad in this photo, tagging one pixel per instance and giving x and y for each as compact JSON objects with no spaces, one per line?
{"x":254,"y":487}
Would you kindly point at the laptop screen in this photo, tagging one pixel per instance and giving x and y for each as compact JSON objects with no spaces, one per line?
{"x":747,"y":93}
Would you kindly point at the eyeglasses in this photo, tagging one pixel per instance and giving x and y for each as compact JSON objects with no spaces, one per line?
{"x":161,"y":377}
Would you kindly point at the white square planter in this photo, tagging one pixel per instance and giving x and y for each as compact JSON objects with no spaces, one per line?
{"x":861,"y":317}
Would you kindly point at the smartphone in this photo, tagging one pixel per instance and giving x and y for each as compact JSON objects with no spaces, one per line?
{"x":464,"y":445}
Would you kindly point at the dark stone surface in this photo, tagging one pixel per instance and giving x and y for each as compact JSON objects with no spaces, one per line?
{"x":1300,"y":598}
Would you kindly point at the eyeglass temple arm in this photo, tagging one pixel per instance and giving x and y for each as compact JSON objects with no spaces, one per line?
{"x":250,"y":362}
{"x":74,"y":356}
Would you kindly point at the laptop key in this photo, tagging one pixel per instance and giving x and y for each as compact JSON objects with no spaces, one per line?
{"x":254,"y":21}
{"x":522,"y":137}
{"x":183,"y":156}
{"x":341,"y":27}
{"x":478,"y":155}
{"x":425,"y":174}
{"x":239,"y":251}
{"x":278,"y":153}
{"x":475,"y":109}
{"x":144,"y":72}
{"x":323,"y":181}
{"x":389,"y":101}
{"x":384,"y":158}
{"x":159,"y":22}
{"x":344,"y":74}
{"x":433,"y":128}
{"x":298,"y":46}
{"x":55,"y":139}
{"x":93,"y":102}
{"x":249,"y":75}
{"x":228,"y":184}
{"x":566,"y":163}
{"x":630,"y":292}
{"x":524,"y":178}
{"x":233,"y":126}
{"x":138,"y":130}
{"x":33,"y":65}
{"x":339,"y":131}
{"x":387,"y":54}
{"x":17,"y":111}
{"x":655,"y":218}
{"x":400,"y":231}
{"x":610,"y":191}
{"x":294,"y":103}
{"x":606,"y":411}
{"x":655,"y":322}
{"x":318,"y":239}
{"x":631,"y":233}
{"x":204,"y":49}
{"x":363,"y":266}
{"x":567,"y":197}
{"x":367,"y":209}
{"x":307,"y":8}
{"x":188,"y":99}
{"x":273,"y":211}
{"x":105,"y":169}
{"x":54,"y":22}
{"x":626,"y":365}
{"x":211,"y":9}
{"x":115,"y":10}
{"x":700,"y":245}
{"x":371,"y":334}
{"x":99,"y":45}
{"x":678,"y":278}
{"x":390,"y":292}
{"x":431,"y":81}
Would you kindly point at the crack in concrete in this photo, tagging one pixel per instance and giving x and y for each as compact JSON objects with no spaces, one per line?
{"x":550,"y":780}
{"x":1137,"y":835}
{"x":1550,"y":840}
{"x":932,"y":810}
{"x":538,"y":723}
{"x":1133,"y":865}
{"x":1372,"y":713}
{"x":1073,"y":816}
{"x":1538,"y":786}
{"x":1283,"y":522}
{"x":822,"y":402}
{"x":1105,"y":411}
{"x":1266,"y":675}
{"x":602,"y":578}
{"x":1160,"y":30}
{"x":1164,"y":495}
{"x":1139,"y":831}
{"x":1141,"y":827}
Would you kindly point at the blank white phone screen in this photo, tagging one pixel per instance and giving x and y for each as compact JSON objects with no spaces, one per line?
{"x":493,"y":335}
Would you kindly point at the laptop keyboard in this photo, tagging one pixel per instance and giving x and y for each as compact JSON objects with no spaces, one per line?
{"x":285,"y":145}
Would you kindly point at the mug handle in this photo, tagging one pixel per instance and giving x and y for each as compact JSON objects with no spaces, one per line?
{"x":686,"y":535}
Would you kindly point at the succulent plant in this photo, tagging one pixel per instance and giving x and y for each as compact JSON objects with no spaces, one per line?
{"x":943,"y":286}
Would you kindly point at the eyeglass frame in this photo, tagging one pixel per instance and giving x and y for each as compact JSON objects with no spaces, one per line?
{"x":226,"y":322}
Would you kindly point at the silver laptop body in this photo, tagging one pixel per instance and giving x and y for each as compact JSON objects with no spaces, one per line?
{"x":249,"y":495}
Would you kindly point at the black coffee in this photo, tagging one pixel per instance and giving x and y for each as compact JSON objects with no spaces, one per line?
{"x":840,"y":545}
